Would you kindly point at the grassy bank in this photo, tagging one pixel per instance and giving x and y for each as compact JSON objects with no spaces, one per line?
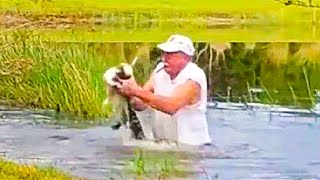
{"x":12,"y":171}
{"x":156,"y":34}
{"x":145,"y":20}
{"x":100,"y":6}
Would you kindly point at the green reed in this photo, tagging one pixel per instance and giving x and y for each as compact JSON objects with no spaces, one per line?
{"x":157,"y":165}
{"x":308,"y":85}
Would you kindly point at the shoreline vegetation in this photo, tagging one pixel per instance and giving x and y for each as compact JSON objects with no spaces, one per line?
{"x":67,"y":77}
{"x":61,"y":76}
{"x":143,"y":164}
{"x":11,"y":170}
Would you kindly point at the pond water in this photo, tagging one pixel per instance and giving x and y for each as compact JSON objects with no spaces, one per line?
{"x":246,"y":145}
{"x":276,"y":53}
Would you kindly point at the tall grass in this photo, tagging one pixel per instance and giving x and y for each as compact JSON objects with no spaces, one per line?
{"x":66,"y":77}
{"x":269,"y":66}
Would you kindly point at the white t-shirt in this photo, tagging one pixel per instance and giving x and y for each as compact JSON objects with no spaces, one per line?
{"x":189,"y":124}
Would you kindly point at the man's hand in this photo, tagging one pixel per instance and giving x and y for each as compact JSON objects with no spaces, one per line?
{"x":127,"y":87}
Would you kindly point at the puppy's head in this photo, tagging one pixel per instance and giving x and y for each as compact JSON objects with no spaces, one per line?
{"x":125,"y":71}
{"x":122,"y":71}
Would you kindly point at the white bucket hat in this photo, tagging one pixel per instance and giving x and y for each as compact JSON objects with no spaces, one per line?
{"x":177,"y":43}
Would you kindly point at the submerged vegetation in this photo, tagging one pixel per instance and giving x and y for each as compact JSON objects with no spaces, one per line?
{"x":12,"y":171}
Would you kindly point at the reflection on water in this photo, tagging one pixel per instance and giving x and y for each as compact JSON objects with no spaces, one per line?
{"x":246,"y":145}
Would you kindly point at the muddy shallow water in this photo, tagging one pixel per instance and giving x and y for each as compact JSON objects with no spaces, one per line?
{"x":246,"y":145}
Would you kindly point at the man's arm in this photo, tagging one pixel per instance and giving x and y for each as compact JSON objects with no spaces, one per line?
{"x":185,"y":94}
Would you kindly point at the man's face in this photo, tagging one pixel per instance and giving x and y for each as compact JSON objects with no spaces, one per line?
{"x":172,"y":62}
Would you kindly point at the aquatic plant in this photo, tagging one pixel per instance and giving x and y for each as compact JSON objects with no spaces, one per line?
{"x":159,"y":165}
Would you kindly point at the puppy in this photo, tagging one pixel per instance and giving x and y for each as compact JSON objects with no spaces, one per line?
{"x":123,"y":112}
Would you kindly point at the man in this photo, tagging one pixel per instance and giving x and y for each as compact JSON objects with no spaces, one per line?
{"x":177,"y":92}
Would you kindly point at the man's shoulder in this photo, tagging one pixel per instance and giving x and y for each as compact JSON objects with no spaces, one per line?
{"x":196,"y":70}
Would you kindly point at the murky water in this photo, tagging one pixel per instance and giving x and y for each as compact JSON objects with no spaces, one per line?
{"x":247,"y":145}
{"x":264,"y":147}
